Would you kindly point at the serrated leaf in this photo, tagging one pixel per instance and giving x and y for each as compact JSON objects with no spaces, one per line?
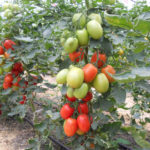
{"x":122,"y":141}
{"x":53,"y":116}
{"x":24,"y":39}
{"x":94,"y":125}
{"x":143,"y":85}
{"x":40,"y":126}
{"x":47,"y":33}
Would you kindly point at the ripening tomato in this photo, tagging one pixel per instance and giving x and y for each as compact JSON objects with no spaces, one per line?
{"x":8,"y":44}
{"x":8,"y":78}
{"x":22,"y":102}
{"x":101,"y":59}
{"x":88,"y":97}
{"x":76,"y":56}
{"x":83,"y":123}
{"x":70,"y":126}
{"x":109,"y":69}
{"x":79,"y":132}
{"x":101,"y":83}
{"x":6,"y":55}
{"x":1,"y":50}
{"x":83,"y":108}
{"x":90,"y":72}
{"x":66,"y":111}
{"x":71,"y":99}
{"x":7,"y":85}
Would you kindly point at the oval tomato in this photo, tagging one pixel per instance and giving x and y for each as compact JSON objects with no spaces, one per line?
{"x":8,"y":44}
{"x":101,"y":83}
{"x":71,"y":99}
{"x":101,"y":59}
{"x":76,"y":56}
{"x":70,"y":126}
{"x":94,"y":29}
{"x":88,"y":97}
{"x":82,"y":36}
{"x":83,"y":108}
{"x":96,"y":17}
{"x":71,"y":44}
{"x":66,"y":111}
{"x":90,"y":72}
{"x":70,"y":92}
{"x":7,"y":85}
{"x":109,"y":69}
{"x":83,"y":123}
{"x":1,"y":50}
{"x":1,"y":70}
{"x":8,"y":78}
{"x":79,"y":20}
{"x":61,"y":76}
{"x":81,"y":91}
{"x":75,"y":77}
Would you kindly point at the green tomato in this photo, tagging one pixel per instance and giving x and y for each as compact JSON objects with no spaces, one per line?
{"x":82,"y":36}
{"x":75,"y":77}
{"x":2,"y":60}
{"x":7,"y":68}
{"x":94,"y":29}
{"x":81,"y":92}
{"x":61,"y":76}
{"x":96,"y":17}
{"x":6,"y":6}
{"x":1,"y":70}
{"x":64,"y":35}
{"x":109,"y":2}
{"x":71,"y":45}
{"x":101,"y":83}
{"x":62,"y":41}
{"x":79,"y":20}
{"x":70,"y":92}
{"x":15,"y":7}
{"x":8,"y":13}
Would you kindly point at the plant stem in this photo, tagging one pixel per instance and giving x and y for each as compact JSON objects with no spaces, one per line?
{"x":86,"y":56}
{"x":87,"y":4}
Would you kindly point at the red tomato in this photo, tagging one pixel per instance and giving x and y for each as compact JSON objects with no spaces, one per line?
{"x":109,"y":69}
{"x":7,"y":85}
{"x":8,"y":44}
{"x":18,"y":67}
{"x":88,"y":97}
{"x":0,"y":112}
{"x":1,"y":50}
{"x":76,"y":56}
{"x":101,"y":59}
{"x":83,"y":122}
{"x":71,"y":99}
{"x":83,"y":108}
{"x":66,"y":111}
{"x":24,"y":97}
{"x":16,"y":73}
{"x":8,"y":78}
{"x":22,"y":102}
{"x":70,"y":126}
{"x":90,"y":72}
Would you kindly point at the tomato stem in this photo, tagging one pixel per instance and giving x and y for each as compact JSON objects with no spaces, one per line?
{"x":86,"y":56}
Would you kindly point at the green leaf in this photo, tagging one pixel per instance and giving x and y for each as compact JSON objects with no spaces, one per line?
{"x":119,"y":94}
{"x":40,"y":126}
{"x":135,"y":74}
{"x":119,"y":21}
{"x":47,"y":33}
{"x":94,"y":125}
{"x":143,"y":85}
{"x":24,"y":39}
{"x":122,"y":141}
{"x":53,"y":116}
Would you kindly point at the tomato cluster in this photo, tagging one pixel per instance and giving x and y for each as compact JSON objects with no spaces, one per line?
{"x":80,"y":81}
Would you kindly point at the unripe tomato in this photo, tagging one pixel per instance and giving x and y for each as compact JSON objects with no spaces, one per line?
{"x":7,"y":68}
{"x":121,"y":52}
{"x":70,"y":126}
{"x":8,"y":44}
{"x":94,"y":29}
{"x":7,"y":85}
{"x":109,"y":69}
{"x":2,"y":60}
{"x":79,"y":132}
{"x":6,"y":6}
{"x":90,"y":72}
{"x":71,"y":99}
{"x":71,"y":44}
{"x":76,"y":56}
{"x":96,"y":17}
{"x":1,"y":50}
{"x":64,"y":35}
{"x":101,"y":59}
{"x":8,"y":13}
{"x":82,"y":36}
{"x":1,"y":70}
{"x":101,"y":83}
{"x":83,"y":108}
{"x":70,"y":92}
{"x":88,"y":97}
{"x":81,"y":92}
{"x":8,"y":78}
{"x":83,"y":123}
{"x":61,"y":76}
{"x":75,"y":77}
{"x":66,"y":111}
{"x":79,"y":20}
